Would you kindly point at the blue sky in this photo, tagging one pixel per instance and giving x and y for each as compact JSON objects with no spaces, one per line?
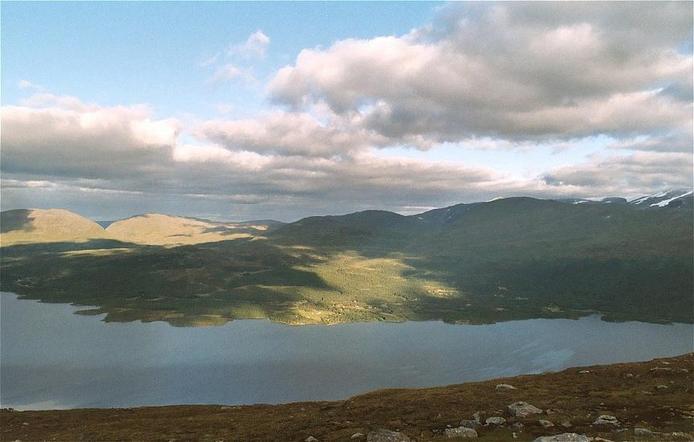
{"x":114,"y":53}
{"x":253,"y":110}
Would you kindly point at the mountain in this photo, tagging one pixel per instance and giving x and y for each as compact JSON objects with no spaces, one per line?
{"x":669,"y":198}
{"x":510,"y":258}
{"x":158,"y":229}
{"x":46,"y":226}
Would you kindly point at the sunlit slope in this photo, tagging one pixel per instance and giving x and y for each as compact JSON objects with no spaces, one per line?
{"x":26,"y":226}
{"x":505,"y":259}
{"x":529,"y":255}
{"x":157,"y":229}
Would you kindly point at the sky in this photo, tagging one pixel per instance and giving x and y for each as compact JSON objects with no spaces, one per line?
{"x":283,"y":110}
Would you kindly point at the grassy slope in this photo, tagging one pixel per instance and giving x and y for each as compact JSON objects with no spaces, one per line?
{"x":507,"y":259}
{"x":628,"y":391}
{"x":25,"y":226}
{"x":157,"y":229}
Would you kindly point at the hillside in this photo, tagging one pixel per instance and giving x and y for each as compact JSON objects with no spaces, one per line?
{"x":24,"y":226}
{"x":157,"y":229}
{"x":644,"y":401}
{"x":510,"y":258}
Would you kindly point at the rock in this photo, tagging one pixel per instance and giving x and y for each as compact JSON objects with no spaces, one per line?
{"x":476,"y":416}
{"x":566,"y":424}
{"x":523,"y":409}
{"x":310,"y":439}
{"x":661,"y":387}
{"x":357,"y":436}
{"x":495,"y":420}
{"x":584,"y":371}
{"x":383,"y":435}
{"x":629,"y":375}
{"x":505,"y":387}
{"x":606,"y":419}
{"x":545,"y":423}
{"x":460,"y":432}
{"x":564,"y":437}
{"x":660,"y":369}
{"x":518,"y":426}
{"x":643,"y":433}
{"x":469,"y":423}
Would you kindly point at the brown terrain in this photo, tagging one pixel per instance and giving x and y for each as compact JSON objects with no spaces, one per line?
{"x":632,"y":401}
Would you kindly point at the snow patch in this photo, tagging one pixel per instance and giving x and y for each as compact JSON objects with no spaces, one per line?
{"x":664,"y":203}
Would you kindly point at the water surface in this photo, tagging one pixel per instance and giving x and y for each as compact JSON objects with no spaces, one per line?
{"x":52,"y":358}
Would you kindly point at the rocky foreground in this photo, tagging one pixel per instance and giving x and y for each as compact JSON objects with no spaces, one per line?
{"x":649,"y":401}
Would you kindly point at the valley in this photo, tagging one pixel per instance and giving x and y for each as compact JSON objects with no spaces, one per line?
{"x":513,"y":258}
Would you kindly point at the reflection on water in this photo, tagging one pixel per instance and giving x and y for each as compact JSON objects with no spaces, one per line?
{"x":52,"y":358}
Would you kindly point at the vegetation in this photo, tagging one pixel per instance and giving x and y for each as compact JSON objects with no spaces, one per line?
{"x":653,"y":396}
{"x":506,"y":259}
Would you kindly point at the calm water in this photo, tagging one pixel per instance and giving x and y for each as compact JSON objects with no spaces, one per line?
{"x":52,"y":358}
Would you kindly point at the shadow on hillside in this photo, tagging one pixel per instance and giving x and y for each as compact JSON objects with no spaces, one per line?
{"x":201,"y":284}
{"x":19,"y":219}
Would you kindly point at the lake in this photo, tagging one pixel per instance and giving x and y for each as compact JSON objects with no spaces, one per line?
{"x":52,"y":358}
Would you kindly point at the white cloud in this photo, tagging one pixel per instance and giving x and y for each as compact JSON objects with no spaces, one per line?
{"x":28,"y":85}
{"x":624,"y":175}
{"x":62,"y":136}
{"x":230,"y":72}
{"x":506,"y":76}
{"x":288,"y":134}
{"x":255,"y":46}
{"x":516,"y":71}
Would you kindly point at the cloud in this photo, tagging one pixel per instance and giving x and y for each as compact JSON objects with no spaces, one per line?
{"x":230,"y":72}
{"x":288,"y":134}
{"x":511,"y":77}
{"x":513,"y":71}
{"x":255,"y":46}
{"x":62,"y":136}
{"x":28,"y":85}
{"x":66,"y":148}
{"x":626,"y":175}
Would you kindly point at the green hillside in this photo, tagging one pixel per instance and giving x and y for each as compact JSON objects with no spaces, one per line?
{"x":506,"y":259}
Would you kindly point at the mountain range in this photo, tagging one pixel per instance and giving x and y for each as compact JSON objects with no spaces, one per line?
{"x":503,"y":259}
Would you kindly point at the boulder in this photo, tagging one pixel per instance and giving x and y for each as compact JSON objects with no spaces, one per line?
{"x":523,"y":409}
{"x":383,"y":435}
{"x":545,"y":423}
{"x":357,"y":436}
{"x":505,"y":387}
{"x":643,"y":433}
{"x":606,"y":419}
{"x":310,"y":439}
{"x":469,"y":423}
{"x":460,"y":433}
{"x":564,"y":437}
{"x":495,"y":420}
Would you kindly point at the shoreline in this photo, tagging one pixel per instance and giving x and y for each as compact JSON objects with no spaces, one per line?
{"x":653,"y":395}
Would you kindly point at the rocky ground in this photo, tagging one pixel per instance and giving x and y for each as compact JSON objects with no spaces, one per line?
{"x":635,"y":401}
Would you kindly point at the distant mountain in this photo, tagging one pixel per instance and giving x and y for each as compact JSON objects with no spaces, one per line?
{"x":34,"y":226}
{"x":669,"y":198}
{"x":505,"y":259}
{"x":158,"y":229}
{"x":46,"y":225}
